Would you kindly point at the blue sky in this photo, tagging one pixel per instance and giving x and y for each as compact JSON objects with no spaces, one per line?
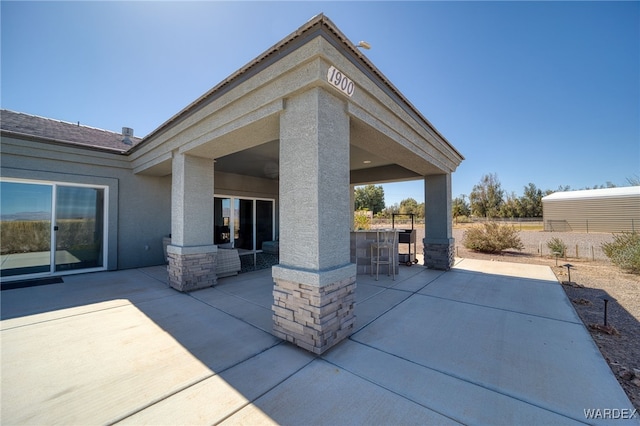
{"x":542,"y":92}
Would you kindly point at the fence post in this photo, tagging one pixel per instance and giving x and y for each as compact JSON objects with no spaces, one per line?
{"x":577,"y":255}
{"x":587,"y":226}
{"x":593,"y":254}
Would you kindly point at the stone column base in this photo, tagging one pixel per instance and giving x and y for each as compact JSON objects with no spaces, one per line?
{"x":192,"y":268}
{"x":314,"y":315}
{"x":439,"y":254}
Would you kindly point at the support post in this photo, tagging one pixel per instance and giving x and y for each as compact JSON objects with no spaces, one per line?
{"x":439,"y":244}
{"x":315,"y":281}
{"x":191,"y":254}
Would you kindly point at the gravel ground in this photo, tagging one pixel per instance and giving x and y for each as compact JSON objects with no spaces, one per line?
{"x":593,"y":276}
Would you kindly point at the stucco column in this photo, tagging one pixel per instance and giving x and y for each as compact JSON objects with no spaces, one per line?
{"x":439,"y":245}
{"x":315,"y":281}
{"x":352,"y":206}
{"x":191,"y":254}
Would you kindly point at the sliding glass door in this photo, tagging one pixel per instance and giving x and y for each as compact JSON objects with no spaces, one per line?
{"x":264,"y":222}
{"x":36,"y":216}
{"x":25,"y":228}
{"x":243,"y":223}
{"x":79,"y":229}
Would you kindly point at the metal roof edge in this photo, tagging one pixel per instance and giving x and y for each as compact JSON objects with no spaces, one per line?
{"x":583,"y":194}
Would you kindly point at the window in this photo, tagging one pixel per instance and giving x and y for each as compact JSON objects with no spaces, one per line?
{"x":36,"y":216}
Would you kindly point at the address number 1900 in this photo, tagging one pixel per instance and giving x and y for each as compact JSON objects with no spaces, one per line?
{"x":340,"y":81}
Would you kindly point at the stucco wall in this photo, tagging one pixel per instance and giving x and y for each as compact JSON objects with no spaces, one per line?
{"x":139,"y":212}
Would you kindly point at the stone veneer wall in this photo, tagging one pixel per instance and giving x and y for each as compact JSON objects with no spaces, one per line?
{"x":439,"y":255}
{"x":314,"y":317}
{"x":188,"y":272}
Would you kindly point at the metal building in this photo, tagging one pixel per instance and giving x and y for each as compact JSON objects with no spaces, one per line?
{"x":593,"y":210}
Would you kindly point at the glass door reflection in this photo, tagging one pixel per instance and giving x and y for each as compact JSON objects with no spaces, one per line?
{"x":242,"y":223}
{"x":25,"y":226}
{"x":79,"y":228}
{"x":222,"y":222}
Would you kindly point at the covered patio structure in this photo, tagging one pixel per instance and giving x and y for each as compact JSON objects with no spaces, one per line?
{"x":307,"y":120}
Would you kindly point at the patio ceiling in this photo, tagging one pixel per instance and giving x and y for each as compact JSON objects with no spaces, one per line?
{"x":262,"y":161}
{"x":373,"y":157}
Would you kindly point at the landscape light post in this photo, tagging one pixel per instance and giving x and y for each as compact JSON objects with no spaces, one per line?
{"x":568,"y":266}
{"x":606,"y":299}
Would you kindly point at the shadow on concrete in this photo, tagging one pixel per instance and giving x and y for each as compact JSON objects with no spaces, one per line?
{"x":123,"y":347}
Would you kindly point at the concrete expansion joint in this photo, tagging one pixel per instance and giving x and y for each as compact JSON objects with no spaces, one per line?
{"x":496,"y":308}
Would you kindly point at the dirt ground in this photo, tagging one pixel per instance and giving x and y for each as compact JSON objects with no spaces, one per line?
{"x":593,"y":280}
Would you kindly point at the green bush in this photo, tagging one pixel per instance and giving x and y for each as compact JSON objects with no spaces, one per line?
{"x":624,"y":251}
{"x":492,"y":237}
{"x":556,"y":245}
{"x":361,"y":220}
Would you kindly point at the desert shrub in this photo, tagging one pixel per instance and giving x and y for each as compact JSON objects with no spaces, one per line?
{"x":491,"y":237}
{"x":462,"y":219}
{"x":361,"y":220}
{"x":624,"y":251}
{"x":556,"y":245}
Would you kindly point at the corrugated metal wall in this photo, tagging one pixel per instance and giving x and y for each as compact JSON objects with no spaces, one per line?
{"x":607,"y":214}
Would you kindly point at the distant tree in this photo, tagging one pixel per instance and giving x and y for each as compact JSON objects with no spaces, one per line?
{"x":369,"y":197}
{"x":486,"y":197}
{"x":511,"y":207}
{"x":388,"y":211}
{"x":460,"y":207}
{"x":409,"y":206}
{"x":634,"y":180}
{"x":607,"y":184}
{"x":531,"y":202}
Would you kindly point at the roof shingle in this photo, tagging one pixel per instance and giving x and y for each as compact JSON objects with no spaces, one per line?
{"x":35,"y":127}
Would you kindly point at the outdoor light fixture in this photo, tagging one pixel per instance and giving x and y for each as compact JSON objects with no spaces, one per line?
{"x":606,"y":299}
{"x":568,"y":266}
{"x":364,"y":45}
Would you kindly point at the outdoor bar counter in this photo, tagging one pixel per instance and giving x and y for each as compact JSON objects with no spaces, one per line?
{"x":361,"y":250}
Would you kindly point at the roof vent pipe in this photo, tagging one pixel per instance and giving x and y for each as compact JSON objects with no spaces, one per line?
{"x":127,"y":132}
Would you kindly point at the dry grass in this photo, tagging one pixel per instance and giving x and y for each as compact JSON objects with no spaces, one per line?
{"x":35,"y":235}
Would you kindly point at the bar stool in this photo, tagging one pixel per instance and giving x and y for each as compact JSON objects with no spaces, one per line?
{"x":385,"y":244}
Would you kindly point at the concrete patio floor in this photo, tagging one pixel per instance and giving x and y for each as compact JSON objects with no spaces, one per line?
{"x":485,"y":343}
